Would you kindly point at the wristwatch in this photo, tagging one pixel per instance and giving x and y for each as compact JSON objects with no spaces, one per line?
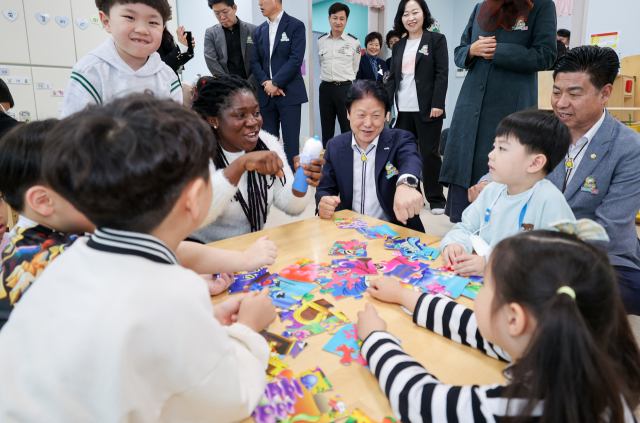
{"x":274,"y":83}
{"x":412,"y":181}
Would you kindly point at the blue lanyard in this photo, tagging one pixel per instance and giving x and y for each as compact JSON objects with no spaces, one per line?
{"x":523,"y":212}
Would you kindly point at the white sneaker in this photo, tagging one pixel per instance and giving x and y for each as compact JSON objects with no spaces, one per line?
{"x":437,"y":212}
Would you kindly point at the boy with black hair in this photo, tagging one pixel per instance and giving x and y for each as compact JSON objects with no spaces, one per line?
{"x":127,"y":63}
{"x":49,"y":224}
{"x":564,"y":36}
{"x":528,"y":146}
{"x":6,"y":102}
{"x":115,"y":327}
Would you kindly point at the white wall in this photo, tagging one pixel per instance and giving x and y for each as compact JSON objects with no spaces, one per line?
{"x":616,"y":15}
{"x":196,"y":16}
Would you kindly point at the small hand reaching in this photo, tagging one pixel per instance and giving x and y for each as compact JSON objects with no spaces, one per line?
{"x":260,"y":254}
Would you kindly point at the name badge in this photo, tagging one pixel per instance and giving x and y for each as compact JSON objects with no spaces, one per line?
{"x":589,"y":185}
{"x":284,"y":37}
{"x":424,"y":50}
{"x":521,"y":26}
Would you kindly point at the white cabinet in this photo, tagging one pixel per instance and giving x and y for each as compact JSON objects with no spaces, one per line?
{"x":49,"y":87}
{"x":50,"y":32}
{"x":20,"y":83}
{"x":14,"y":47}
{"x":89,"y":34}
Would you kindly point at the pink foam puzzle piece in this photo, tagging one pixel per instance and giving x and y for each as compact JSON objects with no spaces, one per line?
{"x":347,"y":359}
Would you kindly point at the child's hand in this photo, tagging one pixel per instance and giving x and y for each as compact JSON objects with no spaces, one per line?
{"x":469,"y":265}
{"x":369,"y":321}
{"x":257,"y":310}
{"x":452,"y":251}
{"x":386,"y":289}
{"x":218,"y":285}
{"x":260,"y":254}
{"x":227,"y":311}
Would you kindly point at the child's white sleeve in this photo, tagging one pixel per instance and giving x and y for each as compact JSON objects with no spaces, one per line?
{"x":472,"y":219}
{"x":176,"y":93}
{"x":223,"y":192}
{"x":555,"y":209}
{"x":84,"y":88}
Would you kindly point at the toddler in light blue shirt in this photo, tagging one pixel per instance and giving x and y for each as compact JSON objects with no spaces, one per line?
{"x":528,"y":146}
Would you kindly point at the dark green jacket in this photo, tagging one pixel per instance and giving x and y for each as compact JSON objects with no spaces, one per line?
{"x":494,"y":89}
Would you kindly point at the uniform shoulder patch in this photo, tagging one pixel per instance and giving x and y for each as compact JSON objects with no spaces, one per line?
{"x":352,"y":36}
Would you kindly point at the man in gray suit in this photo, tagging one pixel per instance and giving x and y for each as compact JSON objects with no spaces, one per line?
{"x":228,"y":45}
{"x":600,"y":177}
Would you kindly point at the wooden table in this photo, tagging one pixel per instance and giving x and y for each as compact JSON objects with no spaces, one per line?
{"x":450,"y":362}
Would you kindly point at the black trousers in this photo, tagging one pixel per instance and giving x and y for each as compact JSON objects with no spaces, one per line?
{"x":629,"y":284}
{"x":457,"y":202}
{"x":428,"y":136}
{"x":332,"y":98}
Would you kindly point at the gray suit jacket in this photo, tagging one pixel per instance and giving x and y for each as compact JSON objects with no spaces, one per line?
{"x":215,"y":49}
{"x":612,"y":158}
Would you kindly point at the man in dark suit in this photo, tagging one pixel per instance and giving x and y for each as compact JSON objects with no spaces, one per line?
{"x":372,"y":170}
{"x":276,"y":62}
{"x":228,"y":45}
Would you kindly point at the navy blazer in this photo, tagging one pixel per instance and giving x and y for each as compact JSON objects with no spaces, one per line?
{"x":396,"y":146}
{"x":366,"y":71}
{"x":612,"y":159}
{"x":286,"y":61}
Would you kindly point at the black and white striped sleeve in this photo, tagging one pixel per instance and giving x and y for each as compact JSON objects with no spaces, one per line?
{"x":456,"y":322}
{"x":416,"y":396}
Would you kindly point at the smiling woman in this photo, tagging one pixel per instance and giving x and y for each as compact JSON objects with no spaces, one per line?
{"x":250,"y":171}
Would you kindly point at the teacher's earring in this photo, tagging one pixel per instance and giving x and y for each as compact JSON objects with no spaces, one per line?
{"x":215,"y":127}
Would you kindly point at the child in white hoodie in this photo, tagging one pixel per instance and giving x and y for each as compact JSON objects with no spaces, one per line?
{"x":127,"y":63}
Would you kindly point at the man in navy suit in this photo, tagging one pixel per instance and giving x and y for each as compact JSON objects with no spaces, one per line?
{"x":372,"y":170}
{"x":276,"y":61}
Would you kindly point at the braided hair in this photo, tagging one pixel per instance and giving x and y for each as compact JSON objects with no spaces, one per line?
{"x":214,"y":97}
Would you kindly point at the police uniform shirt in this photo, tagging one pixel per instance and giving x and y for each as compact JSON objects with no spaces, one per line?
{"x":339,"y":57}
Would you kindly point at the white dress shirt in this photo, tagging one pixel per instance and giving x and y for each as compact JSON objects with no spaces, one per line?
{"x":574,"y":149}
{"x":365,"y":197}
{"x":273,"y":30}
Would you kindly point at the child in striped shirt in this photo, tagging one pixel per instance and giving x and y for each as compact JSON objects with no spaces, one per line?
{"x":550,"y":305}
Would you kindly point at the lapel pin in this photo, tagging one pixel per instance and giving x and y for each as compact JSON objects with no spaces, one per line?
{"x":593,"y":156}
{"x":386,"y":148}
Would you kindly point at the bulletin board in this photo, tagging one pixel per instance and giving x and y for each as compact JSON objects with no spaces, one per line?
{"x":41,"y":42}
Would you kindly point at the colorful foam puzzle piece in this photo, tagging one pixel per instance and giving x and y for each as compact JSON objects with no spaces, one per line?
{"x":359,"y":417}
{"x":311,"y":318}
{"x":346,"y":343}
{"x":471,"y":291}
{"x":305,"y":271}
{"x":360,"y":266}
{"x":419,"y":251}
{"x":343,"y":286}
{"x":395,"y":243}
{"x":244,"y":282}
{"x":377,"y":232}
{"x":402,"y":267}
{"x":436,"y":281}
{"x":286,"y":293}
{"x":349,"y":248}
{"x":349,"y":222}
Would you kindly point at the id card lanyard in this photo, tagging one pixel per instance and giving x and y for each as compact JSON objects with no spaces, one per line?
{"x":479,"y":244}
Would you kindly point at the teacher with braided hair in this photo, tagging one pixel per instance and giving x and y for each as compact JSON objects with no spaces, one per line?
{"x":250,"y":171}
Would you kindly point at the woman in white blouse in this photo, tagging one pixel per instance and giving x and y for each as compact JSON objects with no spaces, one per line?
{"x":250,"y":171}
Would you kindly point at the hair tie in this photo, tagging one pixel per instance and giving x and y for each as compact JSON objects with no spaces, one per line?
{"x":567,"y":290}
{"x":584,"y":229}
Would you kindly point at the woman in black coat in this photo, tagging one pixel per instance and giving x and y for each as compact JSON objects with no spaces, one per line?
{"x":172,"y":54}
{"x":418,"y":86}
{"x":371,"y":66}
{"x":505,"y":44}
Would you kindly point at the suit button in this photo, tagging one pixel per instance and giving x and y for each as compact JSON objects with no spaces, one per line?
{"x":417,"y":81}
{"x":476,"y":114}
{"x":481,"y":87}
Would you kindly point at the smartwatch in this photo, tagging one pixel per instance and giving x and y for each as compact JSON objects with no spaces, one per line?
{"x":412,"y":181}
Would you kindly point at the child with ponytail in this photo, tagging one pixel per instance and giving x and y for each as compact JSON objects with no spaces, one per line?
{"x":550,"y":305}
